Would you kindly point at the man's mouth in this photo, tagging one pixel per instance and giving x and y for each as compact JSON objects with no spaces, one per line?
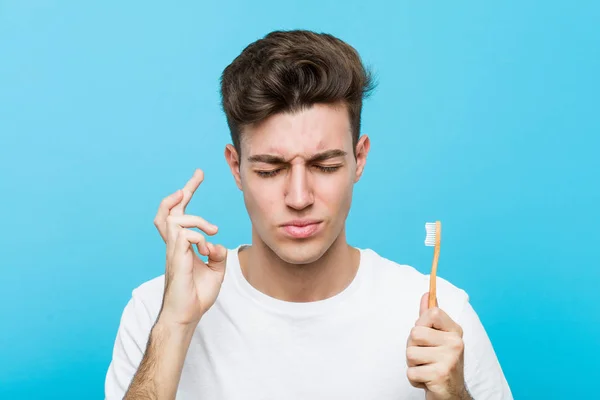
{"x":302,"y":229}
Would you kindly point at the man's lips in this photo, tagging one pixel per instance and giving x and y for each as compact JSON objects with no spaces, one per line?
{"x":301,"y":222}
{"x":301,"y":229}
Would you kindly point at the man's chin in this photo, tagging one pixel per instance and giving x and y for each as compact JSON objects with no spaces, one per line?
{"x":300,"y":252}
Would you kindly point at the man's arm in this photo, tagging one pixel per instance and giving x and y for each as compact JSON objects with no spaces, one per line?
{"x":191,"y":287}
{"x":160,"y":370}
{"x":483,"y":373}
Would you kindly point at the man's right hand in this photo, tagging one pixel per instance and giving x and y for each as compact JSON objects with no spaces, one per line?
{"x":191,"y":285}
{"x":191,"y":288}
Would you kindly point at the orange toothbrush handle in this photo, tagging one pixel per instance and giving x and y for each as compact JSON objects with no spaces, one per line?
{"x":436,"y":256}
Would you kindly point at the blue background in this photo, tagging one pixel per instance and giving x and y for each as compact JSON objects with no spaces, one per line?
{"x":486,"y":117}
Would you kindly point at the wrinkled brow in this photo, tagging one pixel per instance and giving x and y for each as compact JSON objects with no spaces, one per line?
{"x":272,"y":159}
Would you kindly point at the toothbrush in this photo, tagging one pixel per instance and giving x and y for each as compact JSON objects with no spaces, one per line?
{"x":433,"y":238}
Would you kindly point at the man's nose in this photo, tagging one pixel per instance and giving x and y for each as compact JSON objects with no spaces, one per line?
{"x":299,"y":193}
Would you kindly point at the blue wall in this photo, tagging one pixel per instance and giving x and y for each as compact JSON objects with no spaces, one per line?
{"x":486,"y":117}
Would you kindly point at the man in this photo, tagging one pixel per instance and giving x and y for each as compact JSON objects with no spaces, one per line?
{"x":299,"y":313}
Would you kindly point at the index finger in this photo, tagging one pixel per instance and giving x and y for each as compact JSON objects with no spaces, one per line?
{"x":436,"y":318}
{"x":188,"y":191}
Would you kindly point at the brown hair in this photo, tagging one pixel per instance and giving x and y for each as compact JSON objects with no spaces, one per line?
{"x":287,"y":71}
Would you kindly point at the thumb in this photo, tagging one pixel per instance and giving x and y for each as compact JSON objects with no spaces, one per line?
{"x":217,"y":257}
{"x":425,"y":304}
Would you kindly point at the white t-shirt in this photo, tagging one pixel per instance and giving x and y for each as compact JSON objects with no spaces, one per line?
{"x":250,"y":346}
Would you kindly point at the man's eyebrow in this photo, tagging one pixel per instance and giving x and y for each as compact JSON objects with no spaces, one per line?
{"x":272,"y":159}
{"x":326,"y":155}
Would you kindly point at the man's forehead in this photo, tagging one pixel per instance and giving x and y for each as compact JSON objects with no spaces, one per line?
{"x":309,"y":131}
{"x":307,"y":149}
{"x":287,"y":146}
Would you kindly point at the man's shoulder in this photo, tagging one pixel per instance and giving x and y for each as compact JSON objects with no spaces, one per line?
{"x":384,"y":268}
{"x":405,"y":280}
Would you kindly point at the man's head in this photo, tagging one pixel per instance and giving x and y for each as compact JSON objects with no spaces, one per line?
{"x":293,"y":103}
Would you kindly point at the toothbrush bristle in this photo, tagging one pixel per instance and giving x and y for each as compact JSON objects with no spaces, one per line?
{"x":430,"y":236}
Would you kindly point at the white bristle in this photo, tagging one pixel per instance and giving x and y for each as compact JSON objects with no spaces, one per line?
{"x":430,"y":237}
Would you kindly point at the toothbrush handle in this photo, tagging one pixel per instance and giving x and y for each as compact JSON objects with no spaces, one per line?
{"x":436,"y":256}
{"x":432,"y":277}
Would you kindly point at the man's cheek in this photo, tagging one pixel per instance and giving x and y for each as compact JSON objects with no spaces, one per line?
{"x":338,"y":195}
{"x":266,"y":202}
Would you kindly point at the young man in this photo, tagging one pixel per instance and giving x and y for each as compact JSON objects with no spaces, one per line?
{"x":299,"y":313}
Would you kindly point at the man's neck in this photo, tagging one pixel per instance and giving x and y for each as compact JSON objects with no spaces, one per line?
{"x":324,"y":278}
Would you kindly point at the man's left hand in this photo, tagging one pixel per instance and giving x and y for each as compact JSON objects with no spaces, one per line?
{"x":435,"y":355}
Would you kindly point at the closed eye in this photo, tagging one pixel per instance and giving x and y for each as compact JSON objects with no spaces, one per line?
{"x":268,"y":174}
{"x":329,"y":169}
{"x":323,"y":168}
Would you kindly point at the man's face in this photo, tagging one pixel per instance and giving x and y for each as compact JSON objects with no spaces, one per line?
{"x":297,"y":173}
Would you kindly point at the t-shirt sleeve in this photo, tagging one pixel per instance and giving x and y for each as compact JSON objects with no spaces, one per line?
{"x":129,"y":348}
{"x":483,"y":374}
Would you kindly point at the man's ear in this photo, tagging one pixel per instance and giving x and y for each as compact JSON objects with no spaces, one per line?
{"x":362,"y":150}
{"x":233,"y":160}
